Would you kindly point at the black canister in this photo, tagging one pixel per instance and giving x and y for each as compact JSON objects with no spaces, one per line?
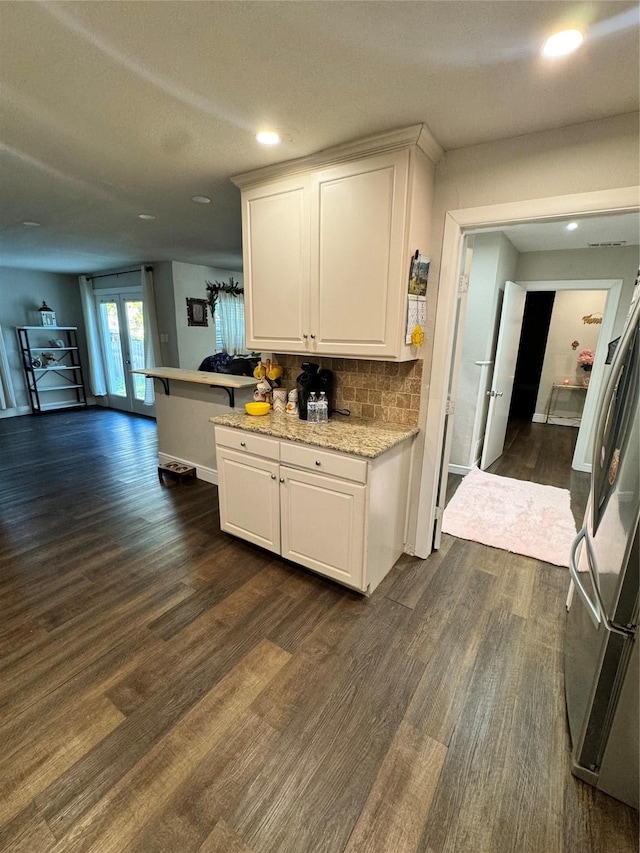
{"x":313,"y":378}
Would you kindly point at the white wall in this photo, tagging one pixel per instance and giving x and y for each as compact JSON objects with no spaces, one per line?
{"x":166,"y":312}
{"x":494,"y":263}
{"x":21,"y":294}
{"x":570,"y":264}
{"x":189,"y":281}
{"x":596,"y":155}
{"x":560,"y":360}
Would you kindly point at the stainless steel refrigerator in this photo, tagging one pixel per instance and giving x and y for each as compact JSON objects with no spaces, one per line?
{"x":601,"y":651}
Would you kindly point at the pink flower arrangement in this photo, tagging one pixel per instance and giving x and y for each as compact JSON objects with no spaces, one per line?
{"x":585,"y":359}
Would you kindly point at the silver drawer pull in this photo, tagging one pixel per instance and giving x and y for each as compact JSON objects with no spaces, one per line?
{"x":318,"y":462}
{"x":243,"y":444}
{"x":273,"y":477}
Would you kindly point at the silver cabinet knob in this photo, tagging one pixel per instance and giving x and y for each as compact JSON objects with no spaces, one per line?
{"x":243,"y":444}
{"x":305,"y":336}
{"x":282,"y":479}
{"x":318,"y":463}
{"x":314,"y":337}
{"x":273,"y":477}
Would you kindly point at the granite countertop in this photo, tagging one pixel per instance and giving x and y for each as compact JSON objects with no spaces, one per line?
{"x":347,"y":434}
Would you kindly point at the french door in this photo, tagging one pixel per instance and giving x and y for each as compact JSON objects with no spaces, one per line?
{"x":120,"y":318}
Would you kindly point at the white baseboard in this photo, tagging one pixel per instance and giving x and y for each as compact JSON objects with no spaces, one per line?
{"x":209,"y":475}
{"x":462,"y":470}
{"x":570,"y":422}
{"x":556,"y":421}
{"x":15,"y":412}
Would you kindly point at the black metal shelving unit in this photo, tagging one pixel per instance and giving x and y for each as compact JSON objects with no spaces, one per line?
{"x":61,"y":377}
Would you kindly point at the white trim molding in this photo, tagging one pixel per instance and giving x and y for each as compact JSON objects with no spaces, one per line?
{"x":417,"y":134}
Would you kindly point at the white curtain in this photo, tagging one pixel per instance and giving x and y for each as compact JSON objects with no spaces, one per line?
{"x":96,"y":364}
{"x":7,"y":394}
{"x":231,"y":314}
{"x":152,"y":354}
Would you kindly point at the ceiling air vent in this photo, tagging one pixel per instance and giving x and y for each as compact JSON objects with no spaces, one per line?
{"x":608,"y":243}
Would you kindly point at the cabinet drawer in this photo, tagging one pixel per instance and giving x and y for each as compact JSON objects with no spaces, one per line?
{"x":248,"y":442}
{"x":324,"y":461}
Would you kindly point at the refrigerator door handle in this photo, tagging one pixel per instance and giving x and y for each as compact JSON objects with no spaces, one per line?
{"x":593,"y":608}
{"x":596,"y":610}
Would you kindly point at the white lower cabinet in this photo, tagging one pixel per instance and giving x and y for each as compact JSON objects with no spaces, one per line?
{"x":248,"y":491}
{"x":340,"y":515}
{"x":322,"y":521}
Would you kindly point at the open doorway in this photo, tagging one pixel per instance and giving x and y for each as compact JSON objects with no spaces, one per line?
{"x":527,"y":363}
{"x":620,"y":204}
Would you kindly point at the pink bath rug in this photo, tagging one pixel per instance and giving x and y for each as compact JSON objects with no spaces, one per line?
{"x":515,"y":515}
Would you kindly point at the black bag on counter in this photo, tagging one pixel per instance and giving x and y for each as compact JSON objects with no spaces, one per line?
{"x":222,"y":362}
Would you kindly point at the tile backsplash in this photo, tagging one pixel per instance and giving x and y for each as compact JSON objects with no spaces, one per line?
{"x":381,"y":390}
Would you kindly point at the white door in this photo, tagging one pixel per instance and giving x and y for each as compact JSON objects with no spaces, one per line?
{"x":248,"y":496}
{"x":503,"y":373}
{"x":322,"y":524}
{"x":120,"y":318}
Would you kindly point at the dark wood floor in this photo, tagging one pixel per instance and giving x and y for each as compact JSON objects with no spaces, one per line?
{"x":167,"y":688}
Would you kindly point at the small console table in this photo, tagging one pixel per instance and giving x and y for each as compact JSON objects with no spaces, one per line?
{"x":555,"y":391}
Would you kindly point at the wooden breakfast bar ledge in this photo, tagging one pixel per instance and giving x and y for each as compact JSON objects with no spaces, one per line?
{"x":199,"y":377}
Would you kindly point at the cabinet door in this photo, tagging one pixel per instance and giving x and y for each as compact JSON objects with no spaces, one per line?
{"x":248,"y":497}
{"x":323,"y":525}
{"x":359,"y":272}
{"x":275,"y":226}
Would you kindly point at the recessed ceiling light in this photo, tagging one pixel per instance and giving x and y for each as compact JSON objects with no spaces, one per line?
{"x":200,"y":199}
{"x":30,"y":224}
{"x":562,"y":43}
{"x":268,"y":137}
{"x":572,"y":226}
{"x":145,"y":216}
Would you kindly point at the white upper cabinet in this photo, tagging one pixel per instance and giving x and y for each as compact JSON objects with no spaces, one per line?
{"x":275,"y":237}
{"x":327,"y":250}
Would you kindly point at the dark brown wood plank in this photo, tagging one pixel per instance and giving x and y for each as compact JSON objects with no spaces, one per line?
{"x":114,"y":820}
{"x":211,"y":792}
{"x":466,"y":806}
{"x":396,"y":810}
{"x":440,"y":698}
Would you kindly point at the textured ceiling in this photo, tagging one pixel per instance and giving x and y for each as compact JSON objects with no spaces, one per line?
{"x":111,"y":109}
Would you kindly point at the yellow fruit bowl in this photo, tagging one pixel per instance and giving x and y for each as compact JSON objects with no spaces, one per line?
{"x":257,"y":408}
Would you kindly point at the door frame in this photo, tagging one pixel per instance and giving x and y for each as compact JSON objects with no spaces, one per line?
{"x":457,"y":223}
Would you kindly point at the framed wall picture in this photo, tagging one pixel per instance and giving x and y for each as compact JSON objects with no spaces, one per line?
{"x":197,"y":312}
